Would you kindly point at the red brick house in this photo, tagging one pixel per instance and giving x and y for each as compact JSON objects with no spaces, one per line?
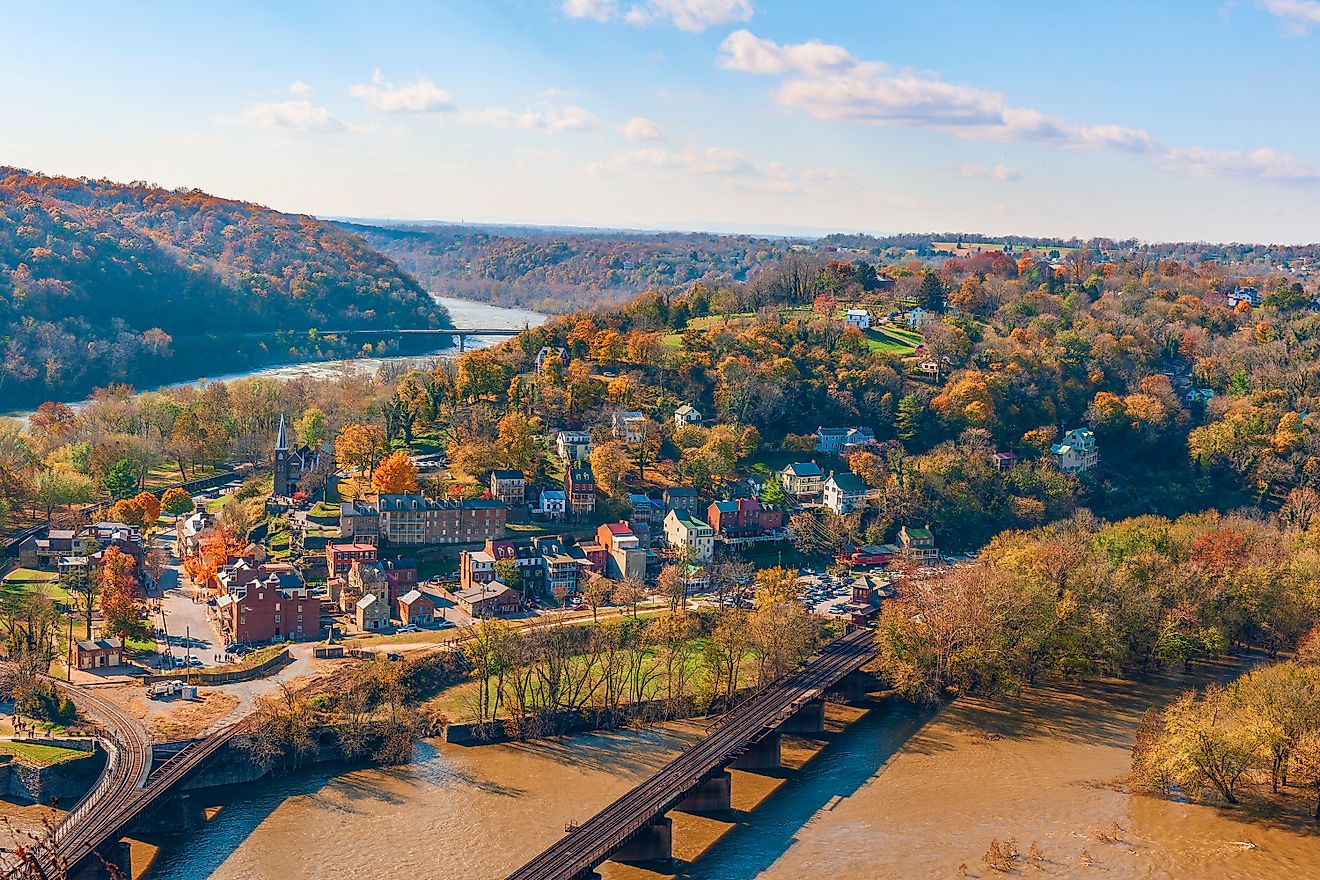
{"x":580,"y":487}
{"x":744,"y":518}
{"x":339,"y":558}
{"x":417,"y":608}
{"x":268,"y":603}
{"x":401,"y":575}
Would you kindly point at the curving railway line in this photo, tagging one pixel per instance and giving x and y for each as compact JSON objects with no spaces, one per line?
{"x":576,"y":854}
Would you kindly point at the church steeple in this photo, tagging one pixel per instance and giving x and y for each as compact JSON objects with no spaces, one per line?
{"x":282,"y":438}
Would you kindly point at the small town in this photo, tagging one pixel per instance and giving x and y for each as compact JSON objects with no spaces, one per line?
{"x":659,"y":440}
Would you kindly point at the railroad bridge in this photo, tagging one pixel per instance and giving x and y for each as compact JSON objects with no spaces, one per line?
{"x":635,"y":828}
{"x":87,"y":839}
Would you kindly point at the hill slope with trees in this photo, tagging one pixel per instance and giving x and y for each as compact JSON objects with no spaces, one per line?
{"x":106,"y":282}
{"x":558,"y":271}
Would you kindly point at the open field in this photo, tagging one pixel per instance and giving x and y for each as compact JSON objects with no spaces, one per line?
{"x":39,"y":755}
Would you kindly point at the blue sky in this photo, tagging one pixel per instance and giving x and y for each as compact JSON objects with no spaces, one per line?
{"x":1171,"y":120}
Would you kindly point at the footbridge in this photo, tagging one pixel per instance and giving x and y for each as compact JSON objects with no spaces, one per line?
{"x":635,"y":827}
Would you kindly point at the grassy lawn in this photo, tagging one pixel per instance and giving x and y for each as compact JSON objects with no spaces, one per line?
{"x":323,"y":510}
{"x":137,"y":644}
{"x":22,"y":581}
{"x":38,"y":755}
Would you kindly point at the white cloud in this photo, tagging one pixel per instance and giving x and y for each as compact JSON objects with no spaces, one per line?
{"x":420,"y":96}
{"x":553,"y":92}
{"x":297,"y":115}
{"x":995,"y":172}
{"x":829,"y":83}
{"x":639,"y":128}
{"x":685,"y":15}
{"x":743,"y":50}
{"x":299,"y":88}
{"x":1259,"y":164}
{"x":569,"y":117}
{"x":599,"y":10}
{"x":1300,"y":14}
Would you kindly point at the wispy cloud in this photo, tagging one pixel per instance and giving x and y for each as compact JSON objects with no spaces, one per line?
{"x":419,"y":96}
{"x":685,"y":15}
{"x":300,"y":88}
{"x":297,"y":115}
{"x":1299,"y":14}
{"x":826,"y":81}
{"x":568,"y":117}
{"x":1259,"y":164}
{"x":639,"y":128}
{"x":992,"y":172}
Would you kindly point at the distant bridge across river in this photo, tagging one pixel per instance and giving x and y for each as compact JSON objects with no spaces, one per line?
{"x":459,"y":333}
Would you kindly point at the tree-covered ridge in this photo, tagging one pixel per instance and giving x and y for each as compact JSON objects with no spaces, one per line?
{"x":556,"y":271}
{"x":102,"y":282}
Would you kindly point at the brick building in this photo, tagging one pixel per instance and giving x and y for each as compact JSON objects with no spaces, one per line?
{"x":413,"y":519}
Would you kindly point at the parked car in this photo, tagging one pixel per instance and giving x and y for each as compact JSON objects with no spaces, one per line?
{"x":195,"y":661}
{"x":409,"y":628}
{"x":444,"y":624}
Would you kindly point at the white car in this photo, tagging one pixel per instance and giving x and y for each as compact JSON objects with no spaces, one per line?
{"x":409,"y":628}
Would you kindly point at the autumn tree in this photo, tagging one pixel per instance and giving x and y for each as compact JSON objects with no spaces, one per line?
{"x":395,"y":474}
{"x":149,"y":506}
{"x":177,"y":502}
{"x":358,"y":447}
{"x":120,"y":609}
{"x":597,"y":592}
{"x":611,"y":465}
{"x":311,"y":428}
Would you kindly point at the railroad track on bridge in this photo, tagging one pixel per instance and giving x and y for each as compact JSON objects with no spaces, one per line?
{"x":577,"y":854}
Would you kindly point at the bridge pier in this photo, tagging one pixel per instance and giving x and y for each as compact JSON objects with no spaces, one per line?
{"x":655,"y":843}
{"x":174,"y":814}
{"x":461,"y":343}
{"x":764,"y":754}
{"x":115,"y":853}
{"x":853,"y":687}
{"x":711,"y":796}
{"x":809,"y":720}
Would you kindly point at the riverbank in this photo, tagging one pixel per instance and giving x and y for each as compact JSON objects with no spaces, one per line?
{"x":463,"y":313}
{"x":1049,"y":765}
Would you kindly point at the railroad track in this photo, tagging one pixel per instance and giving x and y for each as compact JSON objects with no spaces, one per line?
{"x":580,"y":851}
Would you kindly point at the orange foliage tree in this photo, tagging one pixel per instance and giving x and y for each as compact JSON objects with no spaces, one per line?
{"x":395,"y":473}
{"x":120,"y":610}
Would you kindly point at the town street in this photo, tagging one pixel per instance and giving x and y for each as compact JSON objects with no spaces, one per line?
{"x":183,"y":617}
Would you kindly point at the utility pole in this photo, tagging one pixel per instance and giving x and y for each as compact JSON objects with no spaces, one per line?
{"x":68,"y":672}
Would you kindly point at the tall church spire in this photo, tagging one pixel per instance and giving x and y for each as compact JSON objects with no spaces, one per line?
{"x":282,"y":439}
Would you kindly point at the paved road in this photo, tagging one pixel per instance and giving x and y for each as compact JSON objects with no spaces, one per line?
{"x":184,"y":618}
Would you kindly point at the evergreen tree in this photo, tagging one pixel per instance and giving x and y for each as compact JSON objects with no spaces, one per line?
{"x":930,"y":296}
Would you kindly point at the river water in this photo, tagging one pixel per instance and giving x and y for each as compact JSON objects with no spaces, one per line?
{"x":464,"y":312}
{"x":898,"y":793}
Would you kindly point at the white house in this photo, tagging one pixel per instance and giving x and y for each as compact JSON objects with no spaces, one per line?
{"x":844,"y":492}
{"x":627,"y":426}
{"x":916,"y":317}
{"x":859,"y":318}
{"x":1248,"y":295}
{"x":684,"y":532}
{"x":546,"y":352}
{"x":836,"y":441}
{"x":554,"y":503}
{"x":687,"y":415}
{"x":802,"y":479}
{"x":1076,"y":452}
{"x":573,"y":446}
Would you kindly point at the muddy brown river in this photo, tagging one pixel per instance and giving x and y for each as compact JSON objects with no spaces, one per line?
{"x":896,"y":793}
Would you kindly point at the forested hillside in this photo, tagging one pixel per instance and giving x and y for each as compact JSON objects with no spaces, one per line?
{"x":558,"y":271}
{"x":104,"y":282}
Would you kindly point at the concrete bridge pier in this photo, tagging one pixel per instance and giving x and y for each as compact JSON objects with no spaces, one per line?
{"x":461,"y":343}
{"x":711,"y":796}
{"x":175,"y":813}
{"x":654,"y":843}
{"x":854,"y":686}
{"x":764,"y":754}
{"x":808,"y":721}
{"x":94,"y":867}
